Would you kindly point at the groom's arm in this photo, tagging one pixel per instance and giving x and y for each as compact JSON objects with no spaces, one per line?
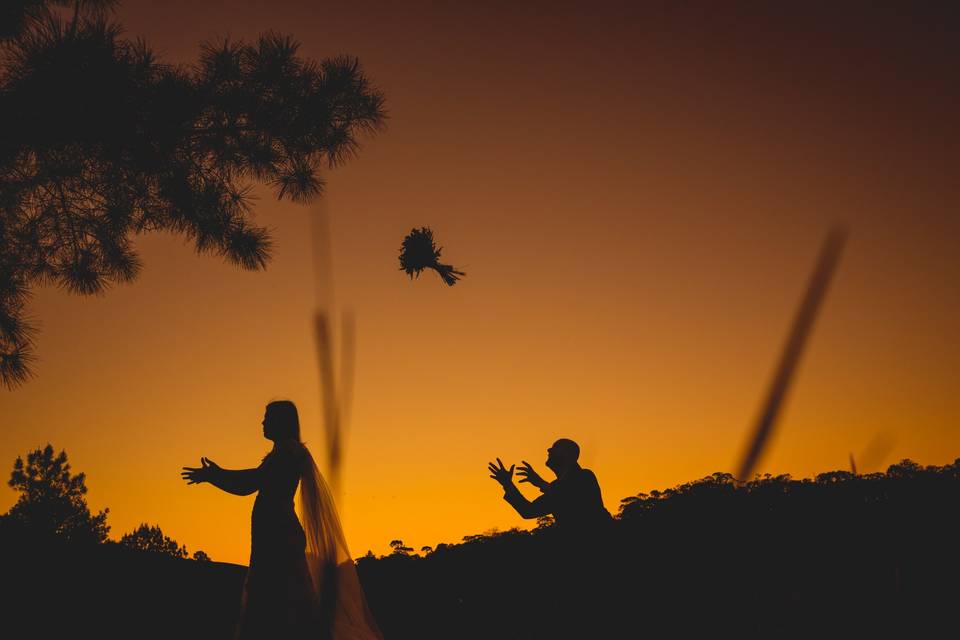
{"x":527,"y":509}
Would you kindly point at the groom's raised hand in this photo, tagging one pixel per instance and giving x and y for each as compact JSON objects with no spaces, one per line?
{"x":501,"y":474}
{"x":527,"y":474}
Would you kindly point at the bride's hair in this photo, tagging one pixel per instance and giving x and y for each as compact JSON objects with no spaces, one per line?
{"x":286,"y":421}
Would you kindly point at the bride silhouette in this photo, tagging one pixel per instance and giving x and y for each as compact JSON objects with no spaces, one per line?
{"x":301,"y":582}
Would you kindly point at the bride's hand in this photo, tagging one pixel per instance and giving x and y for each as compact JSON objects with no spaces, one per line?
{"x":194,"y":475}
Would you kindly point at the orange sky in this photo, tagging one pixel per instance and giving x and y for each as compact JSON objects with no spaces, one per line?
{"x":637,"y":197}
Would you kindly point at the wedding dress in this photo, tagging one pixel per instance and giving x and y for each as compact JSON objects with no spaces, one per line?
{"x":302,"y":582}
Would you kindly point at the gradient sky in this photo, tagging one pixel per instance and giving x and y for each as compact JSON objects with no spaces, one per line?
{"x":637,"y":195}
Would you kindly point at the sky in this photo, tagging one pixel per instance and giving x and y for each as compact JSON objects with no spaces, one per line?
{"x":637,"y":193}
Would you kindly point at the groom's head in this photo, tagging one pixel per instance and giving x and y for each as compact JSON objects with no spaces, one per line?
{"x":562,"y":455}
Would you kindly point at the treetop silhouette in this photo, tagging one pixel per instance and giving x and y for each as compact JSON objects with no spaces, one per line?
{"x":52,"y":498}
{"x":100,"y":141}
{"x":152,"y":538}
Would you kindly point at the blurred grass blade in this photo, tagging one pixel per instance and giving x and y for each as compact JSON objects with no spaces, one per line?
{"x":328,"y":396}
{"x":806,"y":314}
{"x":348,"y":343}
{"x":876,"y":451}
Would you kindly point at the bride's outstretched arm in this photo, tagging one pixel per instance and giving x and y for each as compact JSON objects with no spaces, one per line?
{"x":239,"y":482}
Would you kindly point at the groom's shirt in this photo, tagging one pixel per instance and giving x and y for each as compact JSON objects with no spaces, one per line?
{"x":574,"y":501}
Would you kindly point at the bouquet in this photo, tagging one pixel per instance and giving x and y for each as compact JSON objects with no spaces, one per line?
{"x":420,"y":252}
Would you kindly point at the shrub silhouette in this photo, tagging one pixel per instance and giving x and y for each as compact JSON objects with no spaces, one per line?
{"x":151,"y":538}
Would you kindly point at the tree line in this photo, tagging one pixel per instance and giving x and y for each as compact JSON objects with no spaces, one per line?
{"x":852,"y":554}
{"x":52,"y":502}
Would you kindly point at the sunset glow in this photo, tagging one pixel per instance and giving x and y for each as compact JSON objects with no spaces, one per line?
{"x":637,"y":197}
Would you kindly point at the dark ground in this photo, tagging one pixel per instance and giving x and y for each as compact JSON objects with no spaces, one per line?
{"x":839,"y":556}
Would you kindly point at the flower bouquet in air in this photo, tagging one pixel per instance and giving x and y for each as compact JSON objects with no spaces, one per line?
{"x":420,"y":252}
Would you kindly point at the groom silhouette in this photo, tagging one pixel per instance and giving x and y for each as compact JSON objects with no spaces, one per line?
{"x":573,"y":498}
{"x":583,"y":607}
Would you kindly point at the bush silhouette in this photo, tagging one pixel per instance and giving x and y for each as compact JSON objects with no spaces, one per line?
{"x":151,"y":538}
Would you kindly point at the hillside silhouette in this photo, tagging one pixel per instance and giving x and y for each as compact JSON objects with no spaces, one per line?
{"x":55,"y":588}
{"x":839,"y":554}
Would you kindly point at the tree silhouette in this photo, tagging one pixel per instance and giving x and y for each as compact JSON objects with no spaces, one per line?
{"x":100,"y":141}
{"x":399,"y":549}
{"x":906,"y":468}
{"x":201,"y":556}
{"x":151,"y":538}
{"x":51,"y":500}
